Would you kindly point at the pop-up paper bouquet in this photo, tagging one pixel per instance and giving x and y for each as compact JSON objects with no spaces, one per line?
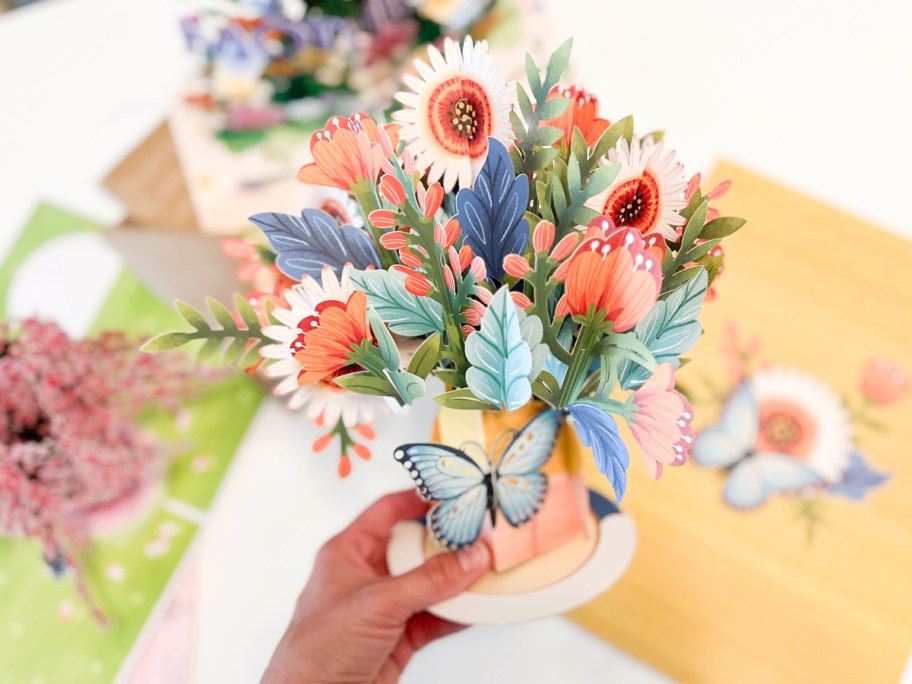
{"x":546,"y":265}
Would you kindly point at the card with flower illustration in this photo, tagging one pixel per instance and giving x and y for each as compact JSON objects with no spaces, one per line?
{"x":140,"y":546}
{"x":784,"y":555}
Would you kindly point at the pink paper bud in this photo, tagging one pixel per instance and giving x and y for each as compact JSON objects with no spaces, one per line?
{"x":521,"y":300}
{"x":392,"y":190}
{"x":516,"y":266}
{"x":478,"y":269}
{"x":485,"y":296}
{"x":565,"y":247}
{"x":448,"y":278}
{"x":453,"y":256}
{"x":543,"y":237}
{"x":382,"y":218}
{"x":409,"y":258}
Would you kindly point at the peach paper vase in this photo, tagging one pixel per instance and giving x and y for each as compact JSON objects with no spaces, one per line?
{"x":564,"y":515}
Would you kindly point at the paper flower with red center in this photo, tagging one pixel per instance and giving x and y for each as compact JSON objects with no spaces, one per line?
{"x":349,"y":152}
{"x":620,"y":275}
{"x":648,"y":191}
{"x":803,"y":418}
{"x":457,"y":103}
{"x":582,"y":114}
{"x":661,"y":425}
{"x":883,"y":383}
{"x":327,"y":337}
{"x":324,"y":401}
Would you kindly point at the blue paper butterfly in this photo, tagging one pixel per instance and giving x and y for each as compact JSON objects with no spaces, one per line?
{"x":753,"y":476}
{"x":511,"y":483}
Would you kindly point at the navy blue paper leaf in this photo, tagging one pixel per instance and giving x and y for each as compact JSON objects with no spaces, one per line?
{"x":598,"y":431}
{"x":858,"y":479}
{"x":491,"y":212}
{"x":307,"y":243}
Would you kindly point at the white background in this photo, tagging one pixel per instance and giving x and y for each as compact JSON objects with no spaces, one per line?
{"x":814,"y":94}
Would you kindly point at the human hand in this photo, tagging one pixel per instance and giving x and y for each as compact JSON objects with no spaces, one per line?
{"x":353,"y":622}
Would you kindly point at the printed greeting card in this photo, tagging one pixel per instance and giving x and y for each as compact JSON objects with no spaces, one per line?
{"x":785,"y":554}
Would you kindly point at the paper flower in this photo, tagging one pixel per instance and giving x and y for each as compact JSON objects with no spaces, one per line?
{"x":324,"y":401}
{"x":348,"y":152}
{"x":457,"y":103}
{"x":661,"y":425}
{"x":618,"y":275}
{"x":582,"y":114}
{"x":648,"y":191}
{"x":326,"y":338}
{"x":883,"y":382}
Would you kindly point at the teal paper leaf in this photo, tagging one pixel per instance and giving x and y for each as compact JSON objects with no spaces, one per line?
{"x":599,"y":431}
{"x":670,"y":329}
{"x":532,"y":332}
{"x":405,"y":314}
{"x":501,"y":360}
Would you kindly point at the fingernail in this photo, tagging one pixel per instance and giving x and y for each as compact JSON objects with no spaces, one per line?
{"x":474,"y":558}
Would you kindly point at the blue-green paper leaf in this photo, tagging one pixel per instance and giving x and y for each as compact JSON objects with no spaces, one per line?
{"x":501,"y":360}
{"x":404,"y":313}
{"x":668,"y":330}
{"x":598,"y":431}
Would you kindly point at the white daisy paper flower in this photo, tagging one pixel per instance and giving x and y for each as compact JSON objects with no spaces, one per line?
{"x":457,"y":103}
{"x":325,"y":401}
{"x":803,"y":418}
{"x":648,"y":191}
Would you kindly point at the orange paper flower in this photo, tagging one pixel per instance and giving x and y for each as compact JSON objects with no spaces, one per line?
{"x":326,"y":337}
{"x":662,"y":428}
{"x":620,"y":274}
{"x":582,"y":114}
{"x":349,"y":151}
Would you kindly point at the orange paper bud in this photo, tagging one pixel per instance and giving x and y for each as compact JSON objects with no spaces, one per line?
{"x":543,"y":237}
{"x":392,"y":190}
{"x":516,"y":266}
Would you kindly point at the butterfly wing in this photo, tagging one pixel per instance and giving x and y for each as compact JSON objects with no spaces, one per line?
{"x":456,"y":522}
{"x":449,"y":476}
{"x":440,"y":472}
{"x":733,"y":436}
{"x":519,"y":489}
{"x":755,"y":479}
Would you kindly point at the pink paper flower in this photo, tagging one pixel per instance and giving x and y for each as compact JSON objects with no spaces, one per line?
{"x":662,"y":424}
{"x":883,"y":382}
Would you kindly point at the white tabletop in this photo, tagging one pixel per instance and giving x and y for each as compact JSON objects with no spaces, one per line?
{"x":813,"y":94}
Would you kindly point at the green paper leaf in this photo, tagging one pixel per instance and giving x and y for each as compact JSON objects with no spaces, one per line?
{"x":680,"y":278}
{"x":448,"y":377}
{"x":388,"y":349}
{"x":410,"y":387}
{"x":721,"y":227}
{"x":366,"y":383}
{"x":191,"y":315}
{"x":557,"y":65}
{"x":405,"y":314}
{"x":464,"y":399}
{"x":669,"y":330}
{"x":546,"y":387}
{"x":426,"y":357}
{"x":167,"y":341}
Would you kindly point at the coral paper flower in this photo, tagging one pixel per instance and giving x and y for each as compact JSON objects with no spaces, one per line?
{"x":324,"y":401}
{"x":457,"y":103}
{"x":883,"y":382}
{"x":582,"y":114}
{"x":348,"y":152}
{"x":620,"y":274}
{"x":647,"y":193}
{"x":662,"y":424}
{"x":328,"y":335}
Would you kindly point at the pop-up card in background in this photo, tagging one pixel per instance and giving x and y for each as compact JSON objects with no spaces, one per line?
{"x":787,"y":557}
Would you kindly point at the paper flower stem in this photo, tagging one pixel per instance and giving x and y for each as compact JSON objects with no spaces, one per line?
{"x":368,"y":202}
{"x":542,"y":295}
{"x":590,"y":333}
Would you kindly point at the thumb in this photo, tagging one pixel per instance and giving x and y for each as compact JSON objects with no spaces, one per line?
{"x":440,"y":578}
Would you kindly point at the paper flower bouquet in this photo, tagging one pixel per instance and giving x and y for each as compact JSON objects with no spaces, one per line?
{"x":266,"y":62}
{"x":546,"y":265}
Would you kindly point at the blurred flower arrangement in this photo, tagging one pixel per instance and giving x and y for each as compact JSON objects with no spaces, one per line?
{"x":783,"y":432}
{"x":270,"y":62}
{"x":509,"y":242}
{"x":69,"y":443}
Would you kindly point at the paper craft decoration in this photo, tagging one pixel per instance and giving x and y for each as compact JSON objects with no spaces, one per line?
{"x":465,"y":492}
{"x":717,"y":594}
{"x":528,"y":265}
{"x":274,"y":64}
{"x":140,"y":545}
